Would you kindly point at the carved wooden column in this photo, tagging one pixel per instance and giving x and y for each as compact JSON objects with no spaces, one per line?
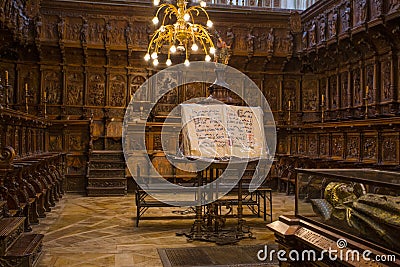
{"x":362,"y":88}
{"x":392,"y":81}
{"x":375,"y":89}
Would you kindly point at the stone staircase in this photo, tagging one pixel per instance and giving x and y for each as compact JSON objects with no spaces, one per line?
{"x":17,"y":249}
{"x":106,"y":173}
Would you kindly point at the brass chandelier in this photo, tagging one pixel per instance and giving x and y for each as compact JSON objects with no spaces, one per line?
{"x":179,"y":36}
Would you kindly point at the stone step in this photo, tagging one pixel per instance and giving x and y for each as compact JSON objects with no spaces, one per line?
{"x":107,"y":155}
{"x":105,"y":165}
{"x":25,"y":251}
{"x":10,"y":230}
{"x":111,"y":173}
{"x":106,"y":191}
{"x":97,"y":182}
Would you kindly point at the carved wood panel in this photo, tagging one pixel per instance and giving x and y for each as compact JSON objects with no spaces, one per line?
{"x":312,"y":149}
{"x":324,"y":145}
{"x":271,"y":93}
{"x":52,"y":85}
{"x":386,"y":92}
{"x":356,"y":90}
{"x":290,"y":92}
{"x":337,"y":146}
{"x":74,"y":88}
{"x":96,"y":89}
{"x":370,"y":147}
{"x":117,"y":90}
{"x":390,"y":148}
{"x":310,"y":95}
{"x":353,"y":146}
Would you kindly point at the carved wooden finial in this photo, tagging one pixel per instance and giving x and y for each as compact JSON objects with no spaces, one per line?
{"x":7,"y":156}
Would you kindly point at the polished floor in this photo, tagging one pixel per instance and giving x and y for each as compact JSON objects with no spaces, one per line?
{"x":100,"y":231}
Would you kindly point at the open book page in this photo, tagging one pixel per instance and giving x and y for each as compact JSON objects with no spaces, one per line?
{"x":245,"y":130}
{"x":220,"y":131}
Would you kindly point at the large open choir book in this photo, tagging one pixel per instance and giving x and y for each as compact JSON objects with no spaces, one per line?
{"x":223,"y":131}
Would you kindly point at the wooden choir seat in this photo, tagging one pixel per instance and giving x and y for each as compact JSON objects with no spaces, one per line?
{"x":287,"y":180}
{"x":29,"y":187}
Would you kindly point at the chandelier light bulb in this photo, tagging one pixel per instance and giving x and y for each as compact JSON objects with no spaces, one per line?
{"x":209,"y":23}
{"x":168,"y":62}
{"x":172,"y":49}
{"x":154,"y":55}
{"x":147,"y":57}
{"x":155,"y":62}
{"x":212,"y":50}
{"x":156,"y":2}
{"x":195,"y":47}
{"x":186,"y":17}
{"x":202,"y":3}
{"x":208,"y":58}
{"x":162,"y":28}
{"x":155,"y":20}
{"x":187,"y":63}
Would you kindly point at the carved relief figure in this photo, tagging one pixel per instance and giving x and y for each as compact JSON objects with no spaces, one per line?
{"x":289,"y":43}
{"x":295,"y":22}
{"x":165,"y":83}
{"x":107,"y":36}
{"x":53,"y":88}
{"x":270,"y":40}
{"x":312,"y":147}
{"x":128,"y":34}
{"x":136,"y":82}
{"x":75,"y":142}
{"x":346,"y":17}
{"x":96,"y":90}
{"x":271,"y":96}
{"x":323,"y":146}
{"x":84,"y":31}
{"x":73,"y":31}
{"x":353,"y":147}
{"x":357,"y":87}
{"x":50,"y":29}
{"x":312,"y":34}
{"x":337,"y":146}
{"x":250,"y":41}
{"x":310,"y":100}
{"x":344,"y":87}
{"x":61,"y":28}
{"x":333,"y":24}
{"x":38,"y":25}
{"x":194,"y":90}
{"x":74,"y":89}
{"x":322,"y":26}
{"x":334,"y":93}
{"x":389,"y":151}
{"x":230,"y":38}
{"x":117,"y":91}
{"x":370,"y":83}
{"x":387,"y":93}
{"x":304,"y":39}
{"x":362,"y":9}
{"x":370,"y":148}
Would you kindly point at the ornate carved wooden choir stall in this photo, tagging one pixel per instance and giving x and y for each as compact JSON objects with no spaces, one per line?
{"x":68,"y":70}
